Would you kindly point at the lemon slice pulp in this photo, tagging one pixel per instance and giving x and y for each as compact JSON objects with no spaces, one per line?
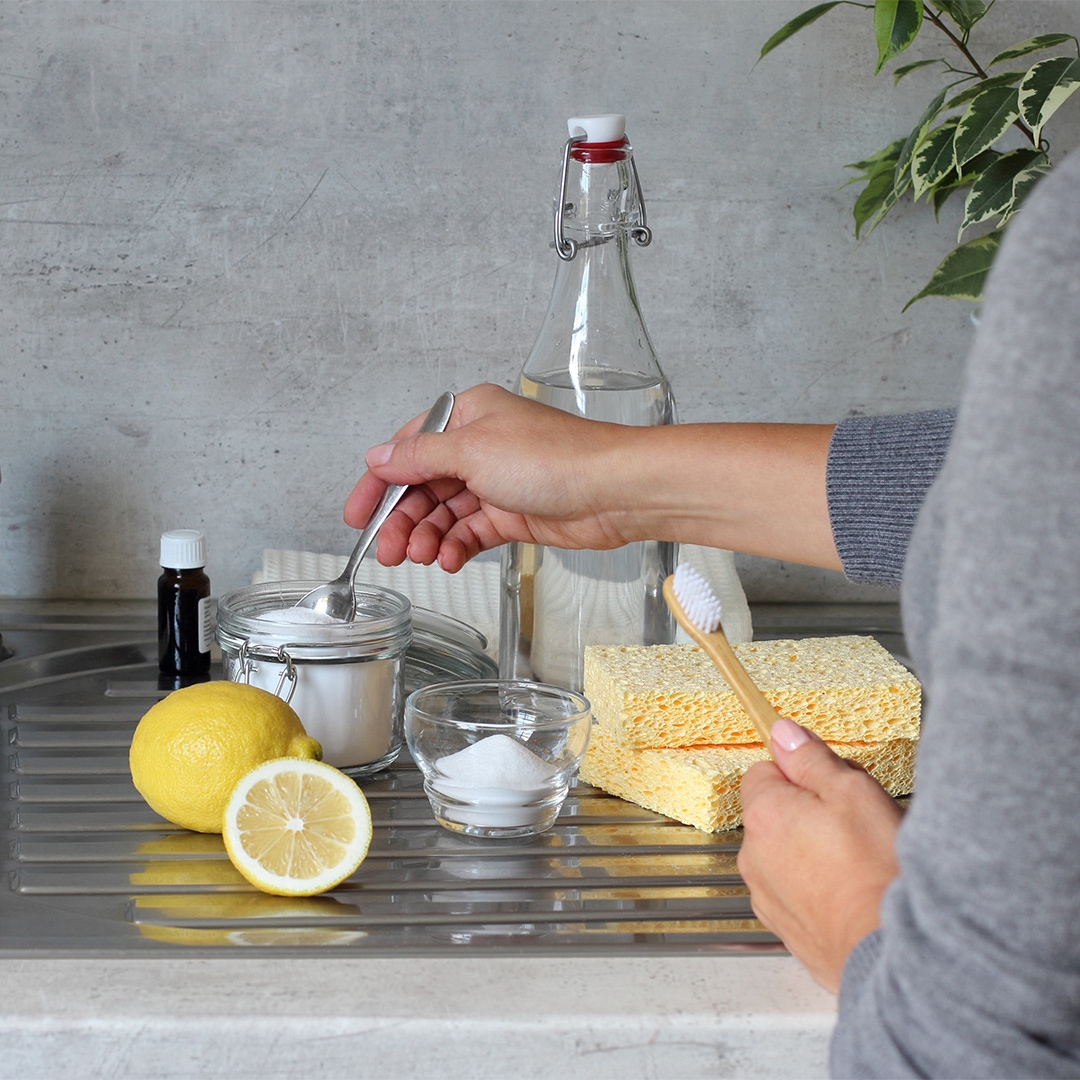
{"x":296,"y":827}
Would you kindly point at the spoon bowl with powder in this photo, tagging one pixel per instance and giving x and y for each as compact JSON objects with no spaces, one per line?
{"x":497,"y":756}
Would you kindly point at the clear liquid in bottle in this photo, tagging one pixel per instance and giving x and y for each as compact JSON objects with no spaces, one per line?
{"x":556,"y":601}
{"x":592,"y":357}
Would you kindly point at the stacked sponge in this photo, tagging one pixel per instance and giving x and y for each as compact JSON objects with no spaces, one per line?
{"x":670,"y":735}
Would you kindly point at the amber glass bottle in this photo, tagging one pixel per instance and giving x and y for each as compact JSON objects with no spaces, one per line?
{"x":185,"y":615}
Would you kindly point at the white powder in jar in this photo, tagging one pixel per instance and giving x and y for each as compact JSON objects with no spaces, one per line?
{"x":298,"y":615}
{"x":348,"y":705}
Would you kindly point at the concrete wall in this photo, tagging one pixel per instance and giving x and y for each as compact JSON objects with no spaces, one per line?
{"x":243,"y":241}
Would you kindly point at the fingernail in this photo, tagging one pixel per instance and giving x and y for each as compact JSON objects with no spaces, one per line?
{"x":379,"y":455}
{"x":788,"y":735}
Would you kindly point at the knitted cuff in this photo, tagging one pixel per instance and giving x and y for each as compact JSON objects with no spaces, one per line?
{"x":879,"y":470}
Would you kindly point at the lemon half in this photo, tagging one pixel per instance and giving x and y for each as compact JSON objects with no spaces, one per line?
{"x":295,"y":827}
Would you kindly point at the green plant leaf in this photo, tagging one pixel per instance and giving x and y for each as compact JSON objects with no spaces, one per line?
{"x":918,"y":133}
{"x":875,"y":200}
{"x":971,"y":170}
{"x":941,"y":193}
{"x":1035,"y":44}
{"x":1022,"y":186}
{"x":811,"y":15}
{"x":1044,"y":90}
{"x":934,"y":159}
{"x":965,"y":13}
{"x":984,"y":121}
{"x":896,"y":22}
{"x":1007,"y":78}
{"x":886,"y":154}
{"x":993,"y":192}
{"x":900,"y":72}
{"x":882,"y":190}
{"x":963,"y":271}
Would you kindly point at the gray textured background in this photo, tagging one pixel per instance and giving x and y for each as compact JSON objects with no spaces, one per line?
{"x":243,"y":241}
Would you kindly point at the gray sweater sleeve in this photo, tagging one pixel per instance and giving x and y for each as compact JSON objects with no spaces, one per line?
{"x":879,"y":470}
{"x":975,"y":969}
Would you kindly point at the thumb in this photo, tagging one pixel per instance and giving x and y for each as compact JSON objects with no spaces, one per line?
{"x":413,"y":459}
{"x":802,"y":757}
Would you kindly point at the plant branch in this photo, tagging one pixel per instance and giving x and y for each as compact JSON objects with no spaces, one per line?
{"x":935,"y":18}
{"x":980,"y":71}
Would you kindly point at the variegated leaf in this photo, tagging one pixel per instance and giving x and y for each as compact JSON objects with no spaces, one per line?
{"x":896,"y":22}
{"x":984,"y":121}
{"x":875,"y":200}
{"x":1022,"y":186}
{"x":887,"y":154}
{"x":972,"y":169}
{"x":1034,"y":44}
{"x":934,"y":160}
{"x":992,"y":193}
{"x":1044,"y":90}
{"x":963,"y":271}
{"x":918,"y":133}
{"x":1007,"y":78}
{"x":965,"y":13}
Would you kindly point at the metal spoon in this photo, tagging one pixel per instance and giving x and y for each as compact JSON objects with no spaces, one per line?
{"x":337,"y":598}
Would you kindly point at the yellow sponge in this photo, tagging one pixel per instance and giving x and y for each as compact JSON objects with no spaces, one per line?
{"x":845,"y":689}
{"x":700,"y":785}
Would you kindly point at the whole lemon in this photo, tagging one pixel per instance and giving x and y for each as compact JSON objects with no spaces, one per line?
{"x":191,"y":748}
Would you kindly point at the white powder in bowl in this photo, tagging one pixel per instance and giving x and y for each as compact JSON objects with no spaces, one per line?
{"x":497,"y":783}
{"x":498,"y":761}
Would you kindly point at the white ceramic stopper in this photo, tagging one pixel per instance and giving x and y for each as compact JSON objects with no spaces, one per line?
{"x":598,"y":129}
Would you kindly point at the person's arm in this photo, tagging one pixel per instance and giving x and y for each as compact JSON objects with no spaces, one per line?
{"x":508,"y":469}
{"x":974,"y":969}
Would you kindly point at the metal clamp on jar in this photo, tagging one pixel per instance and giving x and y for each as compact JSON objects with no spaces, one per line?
{"x":344,"y":679}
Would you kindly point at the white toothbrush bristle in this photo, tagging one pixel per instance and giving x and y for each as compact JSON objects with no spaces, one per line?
{"x":696,"y":598}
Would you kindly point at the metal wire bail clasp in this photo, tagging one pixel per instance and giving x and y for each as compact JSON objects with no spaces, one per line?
{"x":565,"y":247}
{"x":244,"y":665}
{"x":288,"y":672}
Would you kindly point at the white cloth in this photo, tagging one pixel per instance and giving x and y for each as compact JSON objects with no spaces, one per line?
{"x":472,"y":594}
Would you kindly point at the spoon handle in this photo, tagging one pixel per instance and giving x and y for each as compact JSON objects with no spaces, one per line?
{"x":436,"y":420}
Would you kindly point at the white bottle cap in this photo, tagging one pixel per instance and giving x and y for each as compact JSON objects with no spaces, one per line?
{"x":183,"y":549}
{"x":598,"y":129}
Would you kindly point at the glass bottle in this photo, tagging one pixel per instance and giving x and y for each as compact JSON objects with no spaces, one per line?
{"x":592,"y":357}
{"x":185,"y":613}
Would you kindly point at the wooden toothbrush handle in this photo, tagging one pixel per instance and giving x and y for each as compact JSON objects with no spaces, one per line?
{"x":719,"y":650}
{"x":753,"y":700}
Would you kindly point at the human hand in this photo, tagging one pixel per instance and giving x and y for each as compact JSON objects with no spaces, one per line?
{"x":818,"y":850}
{"x":506,"y":469}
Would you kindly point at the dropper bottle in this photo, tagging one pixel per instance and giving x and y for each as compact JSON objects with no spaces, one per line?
{"x":185,"y":614}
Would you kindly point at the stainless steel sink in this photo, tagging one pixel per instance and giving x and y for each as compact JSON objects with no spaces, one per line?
{"x":90,"y":869}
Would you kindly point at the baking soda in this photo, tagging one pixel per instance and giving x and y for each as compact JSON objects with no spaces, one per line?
{"x":498,"y":761}
{"x":347,"y":705}
{"x":297,"y":616}
{"x":497,"y":782}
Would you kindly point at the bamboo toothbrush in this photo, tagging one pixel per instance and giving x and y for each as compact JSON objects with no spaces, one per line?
{"x":695,"y":606}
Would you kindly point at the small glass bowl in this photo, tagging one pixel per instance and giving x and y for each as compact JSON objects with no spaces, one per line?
{"x":514,"y":785}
